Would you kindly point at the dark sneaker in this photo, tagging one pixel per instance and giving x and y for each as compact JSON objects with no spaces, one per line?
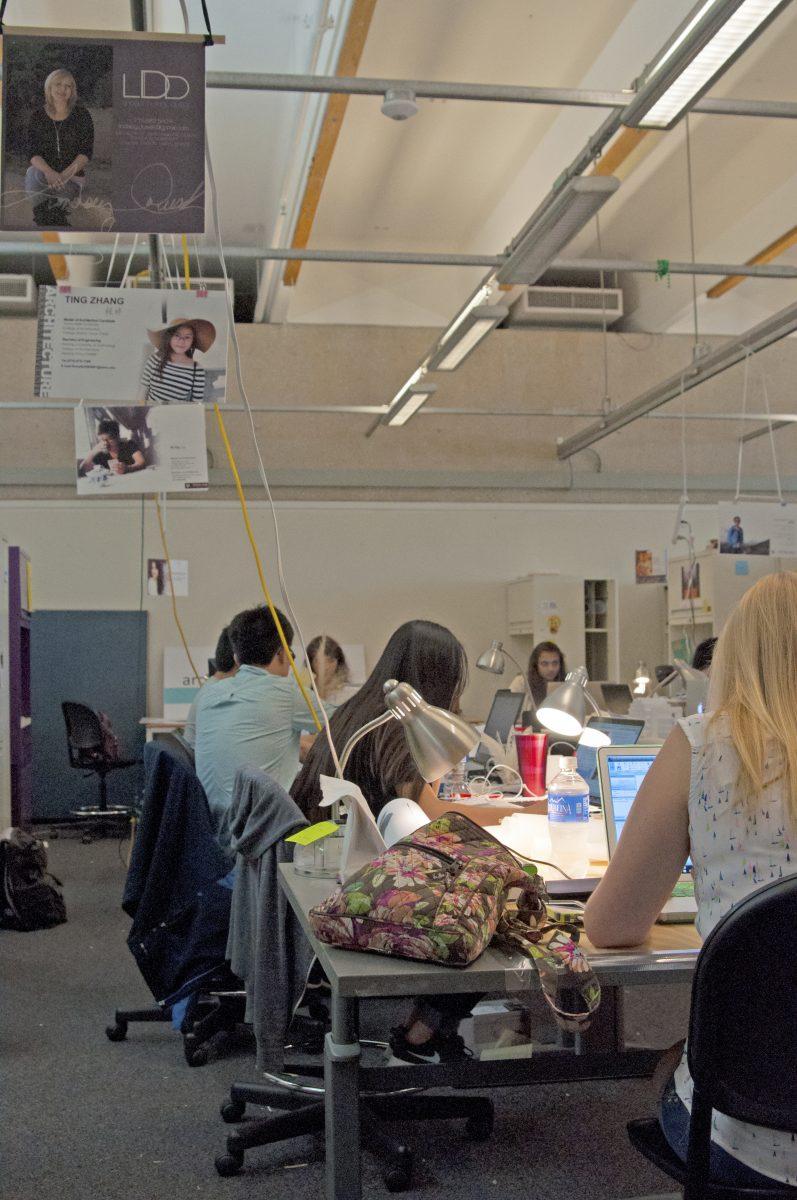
{"x":439,"y":1048}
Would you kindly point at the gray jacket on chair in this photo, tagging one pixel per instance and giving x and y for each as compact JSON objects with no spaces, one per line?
{"x":266,"y":946}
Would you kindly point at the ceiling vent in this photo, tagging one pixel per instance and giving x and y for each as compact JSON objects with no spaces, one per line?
{"x":567,"y":307}
{"x":211,"y":285}
{"x":17,"y":294}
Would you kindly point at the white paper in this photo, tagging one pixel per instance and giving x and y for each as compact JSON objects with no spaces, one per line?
{"x":362,"y":841}
{"x":180,"y":685}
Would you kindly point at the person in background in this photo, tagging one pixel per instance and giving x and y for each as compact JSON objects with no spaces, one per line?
{"x":116,"y":454}
{"x":735,"y":538}
{"x":60,"y":146}
{"x":723,"y":790}
{"x":546,"y":665}
{"x":704,"y":652}
{"x":254,"y":717}
{"x":433,"y":661}
{"x":327,"y":661}
{"x":226,"y":667}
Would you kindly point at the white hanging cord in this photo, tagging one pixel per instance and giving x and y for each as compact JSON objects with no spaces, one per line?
{"x":113,"y":256}
{"x":605,"y":400}
{"x":740,"y":454}
{"x":691,"y":226}
{"x":214,"y":204}
{"x":772,"y":437}
{"x":129,"y":261}
{"x":684,"y":473}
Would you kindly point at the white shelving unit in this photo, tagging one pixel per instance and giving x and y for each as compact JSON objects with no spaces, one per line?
{"x":580,"y":615}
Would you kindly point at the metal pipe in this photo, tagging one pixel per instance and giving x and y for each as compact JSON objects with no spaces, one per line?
{"x":765,"y":429}
{"x":490,"y":92}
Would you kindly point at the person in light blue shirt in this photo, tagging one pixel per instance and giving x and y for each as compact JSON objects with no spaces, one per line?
{"x":255,"y":718}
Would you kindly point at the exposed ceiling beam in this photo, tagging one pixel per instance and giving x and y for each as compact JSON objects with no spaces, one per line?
{"x":496,"y":92}
{"x":719,"y":360}
{"x":772,"y":427}
{"x":351,"y":51}
{"x":770,"y":252}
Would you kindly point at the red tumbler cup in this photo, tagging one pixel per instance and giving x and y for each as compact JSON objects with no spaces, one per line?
{"x":532,"y":751}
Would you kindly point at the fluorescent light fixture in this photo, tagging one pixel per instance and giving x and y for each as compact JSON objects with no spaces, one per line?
{"x":714,"y":34}
{"x":553,"y":226}
{"x":413,"y":399}
{"x":405,"y":387}
{"x":469,"y":331}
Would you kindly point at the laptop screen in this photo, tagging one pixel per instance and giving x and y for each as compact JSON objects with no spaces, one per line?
{"x":505,"y":711}
{"x":625,"y":773}
{"x":620,"y":733}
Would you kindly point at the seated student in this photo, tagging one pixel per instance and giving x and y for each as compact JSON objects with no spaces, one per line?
{"x":327,"y":661}
{"x":723,"y":789}
{"x":224,"y":662}
{"x":254,"y":717}
{"x":430,"y":658}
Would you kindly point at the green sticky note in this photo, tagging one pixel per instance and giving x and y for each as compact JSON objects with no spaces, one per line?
{"x":313,"y":833}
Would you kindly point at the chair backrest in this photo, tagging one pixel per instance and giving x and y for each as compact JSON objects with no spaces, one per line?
{"x":83,"y":734}
{"x":742,"y":1047}
{"x":178,"y":746}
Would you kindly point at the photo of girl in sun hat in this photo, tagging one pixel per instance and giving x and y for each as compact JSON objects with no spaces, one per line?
{"x":171,"y":375}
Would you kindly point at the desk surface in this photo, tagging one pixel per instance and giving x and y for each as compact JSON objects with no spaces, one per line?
{"x":670,"y":950}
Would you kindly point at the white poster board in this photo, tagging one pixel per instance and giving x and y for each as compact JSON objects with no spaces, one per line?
{"x":180,"y":685}
{"x":144,"y":448}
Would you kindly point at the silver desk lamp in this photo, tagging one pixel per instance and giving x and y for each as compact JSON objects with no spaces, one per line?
{"x":565,"y":710}
{"x":494,"y":661}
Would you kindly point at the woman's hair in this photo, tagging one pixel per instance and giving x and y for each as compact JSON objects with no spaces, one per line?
{"x":339,"y":676}
{"x":53,"y":77}
{"x":164,"y":344}
{"x":420,"y":653}
{"x":537,"y":685}
{"x":754,"y":686}
{"x":704,"y":653}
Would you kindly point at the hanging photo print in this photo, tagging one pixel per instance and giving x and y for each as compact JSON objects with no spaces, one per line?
{"x":133,"y":346}
{"x":159,"y":578}
{"x":124,"y":451}
{"x":757,"y":528}
{"x":102,"y":134}
{"x":651,"y":566}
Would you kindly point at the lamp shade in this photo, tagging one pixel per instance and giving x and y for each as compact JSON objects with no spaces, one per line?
{"x":437,"y":739}
{"x":564,"y":711}
{"x":492,"y":660}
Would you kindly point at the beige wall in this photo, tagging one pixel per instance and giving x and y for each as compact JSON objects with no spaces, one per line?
{"x":451,"y":457}
{"x":354,"y":570}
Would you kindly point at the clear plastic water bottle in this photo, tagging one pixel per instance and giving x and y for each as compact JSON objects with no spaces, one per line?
{"x":455,"y":783}
{"x":568,"y":817}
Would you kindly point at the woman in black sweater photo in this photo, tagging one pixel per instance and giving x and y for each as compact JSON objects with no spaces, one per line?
{"x":60,"y":146}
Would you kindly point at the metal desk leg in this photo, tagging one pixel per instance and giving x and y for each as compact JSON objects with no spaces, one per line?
{"x":342,"y":1102}
{"x":606,"y":1034}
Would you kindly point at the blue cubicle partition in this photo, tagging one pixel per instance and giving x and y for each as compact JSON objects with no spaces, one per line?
{"x":98,"y":659}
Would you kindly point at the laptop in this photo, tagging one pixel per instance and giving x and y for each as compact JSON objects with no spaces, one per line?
{"x":621,"y":770}
{"x":501,"y":720}
{"x":621,"y":731}
{"x":617,"y":697}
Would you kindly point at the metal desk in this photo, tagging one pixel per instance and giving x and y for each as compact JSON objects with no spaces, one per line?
{"x":667,"y":957}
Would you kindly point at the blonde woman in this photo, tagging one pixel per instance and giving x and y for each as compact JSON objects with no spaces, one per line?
{"x":60,"y":146}
{"x":723,"y":790}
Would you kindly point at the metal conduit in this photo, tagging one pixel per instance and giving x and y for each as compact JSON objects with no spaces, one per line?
{"x":490,"y":92}
{"x":425,"y":258}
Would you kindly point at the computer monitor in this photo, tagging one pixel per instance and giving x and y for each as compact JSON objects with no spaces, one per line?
{"x":504,"y":714}
{"x":621,"y":731}
{"x":617,"y":697}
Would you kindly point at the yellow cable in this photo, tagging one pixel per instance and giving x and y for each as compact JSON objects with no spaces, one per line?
{"x":186,"y":264}
{"x":171,"y":590}
{"x":259,"y":565}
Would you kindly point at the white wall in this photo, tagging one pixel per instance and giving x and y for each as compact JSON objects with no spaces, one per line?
{"x":354,"y":570}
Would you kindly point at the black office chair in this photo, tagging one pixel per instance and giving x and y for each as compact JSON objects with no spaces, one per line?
{"x":88,"y":753}
{"x":742,"y":1046}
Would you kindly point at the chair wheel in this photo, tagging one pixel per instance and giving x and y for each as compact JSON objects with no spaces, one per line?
{"x":398,"y":1179}
{"x":479,"y":1129}
{"x":229,"y":1164}
{"x":87,"y":839}
{"x":117,"y":1032}
{"x":232,"y":1111}
{"x":195,"y":1056}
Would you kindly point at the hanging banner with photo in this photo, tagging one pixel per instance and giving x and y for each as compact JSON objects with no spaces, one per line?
{"x":757,"y":528}
{"x":145,"y":346}
{"x":650,"y":566}
{"x":102,"y":134}
{"x":127,"y":451}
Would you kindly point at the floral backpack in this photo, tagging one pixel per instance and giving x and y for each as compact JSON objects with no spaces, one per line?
{"x":442,"y":895}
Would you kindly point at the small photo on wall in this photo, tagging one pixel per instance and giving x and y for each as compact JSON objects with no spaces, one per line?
{"x":140,"y":449}
{"x":158,"y":577}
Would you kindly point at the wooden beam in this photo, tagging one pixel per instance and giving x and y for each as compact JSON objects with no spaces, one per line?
{"x":770,"y":252}
{"x":618,"y":151}
{"x":348,"y":61}
{"x":57,"y":261}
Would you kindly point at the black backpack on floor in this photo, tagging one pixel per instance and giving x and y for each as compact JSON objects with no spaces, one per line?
{"x":29,"y":894}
